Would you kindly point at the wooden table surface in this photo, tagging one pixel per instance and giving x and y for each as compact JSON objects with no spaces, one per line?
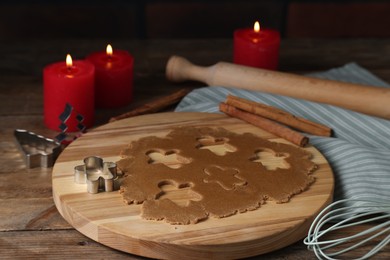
{"x":30,"y":225}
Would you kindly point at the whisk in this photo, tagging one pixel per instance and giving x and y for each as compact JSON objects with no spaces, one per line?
{"x":344,"y":214}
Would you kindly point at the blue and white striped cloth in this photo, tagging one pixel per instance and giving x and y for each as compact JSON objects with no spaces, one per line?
{"x":359,"y":151}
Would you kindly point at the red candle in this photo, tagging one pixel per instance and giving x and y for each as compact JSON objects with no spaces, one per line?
{"x":113,"y":77}
{"x":69,"y":83}
{"x":257,"y":48}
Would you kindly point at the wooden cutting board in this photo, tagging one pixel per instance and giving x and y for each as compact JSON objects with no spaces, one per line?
{"x":105,"y":218}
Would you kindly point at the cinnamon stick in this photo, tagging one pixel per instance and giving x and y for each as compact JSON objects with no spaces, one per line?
{"x":279,"y":115}
{"x":265,"y":124}
{"x":155,"y":105}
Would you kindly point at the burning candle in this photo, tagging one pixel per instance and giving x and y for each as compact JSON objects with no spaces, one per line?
{"x":257,"y":47}
{"x":113,"y":77}
{"x":69,"y":82}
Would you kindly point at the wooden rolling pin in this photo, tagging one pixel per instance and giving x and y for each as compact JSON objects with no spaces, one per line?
{"x":361,"y":98}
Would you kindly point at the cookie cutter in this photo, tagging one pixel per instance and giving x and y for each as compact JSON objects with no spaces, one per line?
{"x":38,"y":150}
{"x":98,"y":175}
{"x":64,"y":116}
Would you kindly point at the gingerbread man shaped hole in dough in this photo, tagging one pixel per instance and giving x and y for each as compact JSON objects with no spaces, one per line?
{"x":219,"y":146}
{"x":270,"y":159}
{"x":180,"y":194}
{"x":171,"y":158}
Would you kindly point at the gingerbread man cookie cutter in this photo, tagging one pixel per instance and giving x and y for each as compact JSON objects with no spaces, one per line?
{"x":98,"y":175}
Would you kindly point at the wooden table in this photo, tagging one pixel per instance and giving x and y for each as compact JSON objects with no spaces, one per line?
{"x":30,"y":224}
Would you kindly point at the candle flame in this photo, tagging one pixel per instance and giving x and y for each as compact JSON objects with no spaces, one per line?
{"x":69,"y":62}
{"x":109,"y":50}
{"x":256,"y":27}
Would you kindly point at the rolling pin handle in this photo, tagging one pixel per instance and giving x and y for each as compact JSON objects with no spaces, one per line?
{"x":179,"y":69}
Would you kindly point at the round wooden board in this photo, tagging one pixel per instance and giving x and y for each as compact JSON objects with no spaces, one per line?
{"x":105,"y":218}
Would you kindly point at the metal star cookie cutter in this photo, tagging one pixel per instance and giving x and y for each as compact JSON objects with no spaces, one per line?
{"x":38,"y":150}
{"x":98,"y":175}
{"x":64,"y":116}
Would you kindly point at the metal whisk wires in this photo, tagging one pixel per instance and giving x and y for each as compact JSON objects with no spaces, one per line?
{"x":343,"y":214}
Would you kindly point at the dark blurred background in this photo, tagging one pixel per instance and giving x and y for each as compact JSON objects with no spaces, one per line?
{"x":152,"y":19}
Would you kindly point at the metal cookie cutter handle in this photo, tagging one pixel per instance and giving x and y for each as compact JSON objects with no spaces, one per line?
{"x":98,"y":175}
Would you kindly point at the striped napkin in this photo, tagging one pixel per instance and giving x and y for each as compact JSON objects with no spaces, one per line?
{"x":359,"y":151}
